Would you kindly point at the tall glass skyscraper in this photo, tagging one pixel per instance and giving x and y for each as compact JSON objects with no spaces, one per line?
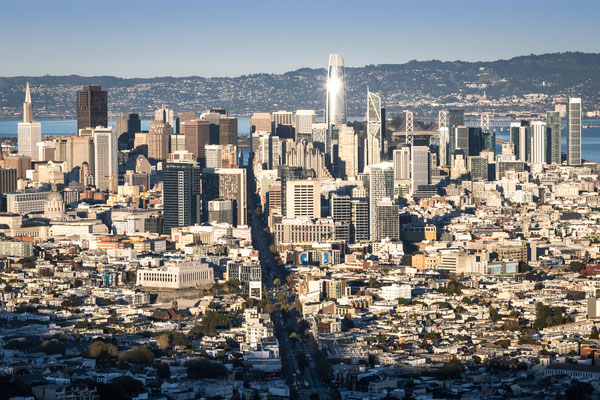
{"x":335,"y":109}
{"x":574,"y":131}
{"x":553,"y":145}
{"x":374,"y":129}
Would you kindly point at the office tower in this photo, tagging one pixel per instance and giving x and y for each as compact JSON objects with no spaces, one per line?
{"x":303,"y":198}
{"x":420,"y":167}
{"x":335,"y":106}
{"x":212,"y":153}
{"x":444,"y":143}
{"x":401,"y":159}
{"x":538,"y":142}
{"x":197,"y":137}
{"x":165,"y":115}
{"x":488,"y":141}
{"x":359,"y":227}
{"x":182,"y":195}
{"x":282,"y":125}
{"x":19,"y":162}
{"x":461,"y":140}
{"x":158,"y":140}
{"x":92,"y":107}
{"x":319,"y":134}
{"x":260,"y":122}
{"x":221,"y":111}
{"x":127,"y":126}
{"x":184,"y":117}
{"x":74,"y":150}
{"x":232,"y":186}
{"x":213,"y":117}
{"x":228,"y":131}
{"x":29,"y":132}
{"x":282,"y":118}
{"x":388,"y":220}
{"x":381,"y":184}
{"x":288,"y":173}
{"x":177,"y":145}
{"x":304,"y":123}
{"x":520,"y":136}
{"x":347,"y":163}
{"x":574,"y":131}
{"x":374,"y":129}
{"x":553,"y":123}
{"x":220,"y":211}
{"x":478,"y":166}
{"x":105,"y":159}
{"x":8,"y":180}
{"x":454,"y":118}
{"x":340,"y":208}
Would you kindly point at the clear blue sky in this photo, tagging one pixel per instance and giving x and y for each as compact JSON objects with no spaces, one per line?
{"x":228,"y":38}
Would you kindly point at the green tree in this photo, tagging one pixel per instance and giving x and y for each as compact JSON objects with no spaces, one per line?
{"x":202,"y":368}
{"x":494,"y":315}
{"x":579,"y":391}
{"x":138,"y":355}
{"x":402,"y":301}
{"x":594,"y":333}
{"x":101,"y":350}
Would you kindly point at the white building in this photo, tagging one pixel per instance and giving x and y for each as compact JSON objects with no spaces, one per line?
{"x":105,"y":158}
{"x":303,"y":199}
{"x":29,"y":132}
{"x":394,"y":291}
{"x":176,"y":276}
{"x":538,"y":142}
{"x":304,"y":122}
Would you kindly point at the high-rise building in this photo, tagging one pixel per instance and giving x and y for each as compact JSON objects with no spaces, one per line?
{"x":158,"y":140}
{"x":359,"y":227}
{"x":478,"y":166}
{"x":539,"y":149}
{"x":304,"y":122}
{"x":8,"y":180}
{"x":401,"y":159}
{"x":574,"y":131}
{"x":19,"y":162}
{"x":347,"y":163}
{"x":444,"y":143}
{"x":184,"y":117}
{"x":553,"y":123}
{"x":454,"y":118}
{"x":335,"y":107}
{"x":92,"y":107}
{"x":381,"y":184}
{"x":282,"y":118}
{"x":106,"y":158}
{"x":374,"y":129}
{"x":232,"y":186}
{"x":303,"y":198}
{"x":288,"y":173}
{"x":420,"y":167}
{"x":197,"y":137}
{"x":520,"y":136}
{"x":29,"y":132}
{"x":228,"y":130}
{"x":388,"y":221}
{"x":260,"y":122}
{"x":165,"y":115}
{"x":127,"y":126}
{"x":220,"y":211}
{"x":340,"y":208}
{"x":319,"y":135}
{"x":74,"y":150}
{"x":182,"y":195}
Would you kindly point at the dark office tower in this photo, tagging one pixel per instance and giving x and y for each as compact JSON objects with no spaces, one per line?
{"x":8,"y":180}
{"x":455,"y":118}
{"x":359,"y":229}
{"x":197,"y":135}
{"x":520,"y":136}
{"x":470,"y":140}
{"x":488,"y":141}
{"x":228,"y":130}
{"x":462,"y":138}
{"x":92,"y":107}
{"x":288,"y":173}
{"x":553,"y":123}
{"x":127,"y":126}
{"x":182,"y":195}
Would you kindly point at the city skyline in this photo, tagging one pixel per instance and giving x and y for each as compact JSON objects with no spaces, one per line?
{"x":49,"y":36}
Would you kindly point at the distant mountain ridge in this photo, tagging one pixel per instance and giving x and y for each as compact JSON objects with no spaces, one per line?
{"x":423,"y":86}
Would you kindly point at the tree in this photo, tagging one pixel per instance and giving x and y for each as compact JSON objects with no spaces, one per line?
{"x":202,"y":368}
{"x":579,"y":391}
{"x":402,"y":301}
{"x":163,"y":341}
{"x":347,"y":324}
{"x":594,"y":333}
{"x":576,"y":266}
{"x":277,"y":282}
{"x":494,"y":315}
{"x":138,"y":355}
{"x":101,"y":350}
{"x":211,"y":321}
{"x":466,"y":300}
{"x":163,"y":372}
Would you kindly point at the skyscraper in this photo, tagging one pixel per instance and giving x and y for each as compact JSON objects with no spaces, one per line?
{"x":388,"y":221}
{"x":454,"y":118}
{"x":538,"y":142}
{"x":401,"y":159}
{"x":260,"y":122}
{"x":359,"y":228}
{"x":164,"y":114}
{"x":381,"y":184}
{"x":158,"y":140}
{"x":374,"y":129}
{"x":554,"y":135}
{"x":347,"y":163}
{"x":105,"y":158}
{"x":288,"y":173}
{"x":29,"y":132}
{"x":520,"y":136}
{"x":335,"y":107}
{"x":197,"y":136}
{"x":232,"y":186}
{"x":182,"y":190}
{"x":92,"y":107}
{"x":127,"y":126}
{"x":574,"y":131}
{"x":303,"y":198}
{"x":304,"y":122}
{"x":420,"y":167}
{"x":228,"y":130}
